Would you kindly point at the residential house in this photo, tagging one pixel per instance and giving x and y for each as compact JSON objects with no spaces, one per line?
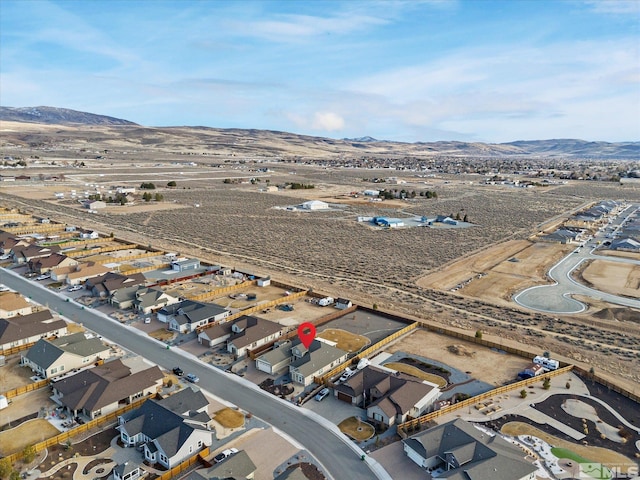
{"x":55,"y":260}
{"x":12,"y":304}
{"x":304,"y":364}
{"x":50,"y":358}
{"x":8,"y":242}
{"x":149,"y":300}
{"x":462,"y":451}
{"x":237,"y":467}
{"x":25,"y":254}
{"x":79,"y":273}
{"x":26,"y":329}
{"x":389,"y":397}
{"x":343,"y":303}
{"x":106,"y":285}
{"x":561,"y":235}
{"x":188,"y":315}
{"x":625,"y":244}
{"x":170,"y":430}
{"x":185,"y":264}
{"x":104,"y":389}
{"x":127,"y":471}
{"x":248,"y":333}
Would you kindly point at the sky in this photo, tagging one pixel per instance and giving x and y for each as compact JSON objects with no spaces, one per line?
{"x":402,"y":70}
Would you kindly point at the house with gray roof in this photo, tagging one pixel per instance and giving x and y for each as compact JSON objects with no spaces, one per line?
{"x":625,"y":244}
{"x":169,"y":430}
{"x":149,"y":299}
{"x":26,"y":329}
{"x":104,"y":389}
{"x":188,"y":315}
{"x":127,"y":471}
{"x":459,"y":451}
{"x":275,"y":360}
{"x":50,"y":358}
{"x":106,"y":285}
{"x":248,"y":333}
{"x":238,"y":466}
{"x":390,"y":397}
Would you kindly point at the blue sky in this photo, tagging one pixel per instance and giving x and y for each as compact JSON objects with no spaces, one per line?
{"x":405,"y":70}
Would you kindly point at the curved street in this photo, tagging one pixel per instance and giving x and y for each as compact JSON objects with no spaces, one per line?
{"x":557,"y":298}
{"x":340,"y":457}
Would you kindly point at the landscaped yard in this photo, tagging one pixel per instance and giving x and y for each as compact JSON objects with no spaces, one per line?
{"x":162,"y":334}
{"x":595,"y":454}
{"x":347,"y":341}
{"x":27,"y":433}
{"x":229,"y":418}
{"x":416,"y":372}
{"x":356,"y":429}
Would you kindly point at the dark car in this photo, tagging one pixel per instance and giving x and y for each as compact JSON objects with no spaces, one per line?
{"x":178,"y":371}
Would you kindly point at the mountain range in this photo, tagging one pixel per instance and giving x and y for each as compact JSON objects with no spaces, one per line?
{"x":267,"y":142}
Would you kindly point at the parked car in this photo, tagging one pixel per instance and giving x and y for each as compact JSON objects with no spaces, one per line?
{"x":225,"y":454}
{"x":74,"y":288}
{"x":347,"y":374}
{"x":322,"y":394}
{"x":192,"y":378}
{"x":178,"y":371}
{"x":44,"y":276}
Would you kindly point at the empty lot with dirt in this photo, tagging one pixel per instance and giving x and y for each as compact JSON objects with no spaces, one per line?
{"x":613,"y":277}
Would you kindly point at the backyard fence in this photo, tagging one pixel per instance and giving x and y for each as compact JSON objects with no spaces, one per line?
{"x":199,"y":457}
{"x":37,"y":228}
{"x":26,"y":388}
{"x":96,"y":422}
{"x":221,"y":291}
{"x":403,"y":428}
{"x":93,"y":251}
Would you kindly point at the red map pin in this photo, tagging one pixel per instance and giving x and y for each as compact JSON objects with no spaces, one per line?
{"x":306,"y":333}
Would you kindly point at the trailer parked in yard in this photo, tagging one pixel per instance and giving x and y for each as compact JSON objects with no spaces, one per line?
{"x":325,"y":302}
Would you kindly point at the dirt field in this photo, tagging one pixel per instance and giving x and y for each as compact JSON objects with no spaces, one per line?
{"x":494,"y":275}
{"x":613,"y":277}
{"x":616,"y":253}
{"x":12,"y":375}
{"x":484,"y":364}
{"x":263,"y":295}
{"x":303,"y":311}
{"x":346,"y":341}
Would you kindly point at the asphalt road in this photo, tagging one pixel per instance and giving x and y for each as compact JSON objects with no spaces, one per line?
{"x":556,"y":298}
{"x":340,"y":457}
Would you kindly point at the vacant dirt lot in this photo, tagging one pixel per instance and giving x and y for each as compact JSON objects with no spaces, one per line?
{"x":614,"y":277}
{"x":497,"y":273}
{"x":12,"y":375}
{"x":484,"y":364}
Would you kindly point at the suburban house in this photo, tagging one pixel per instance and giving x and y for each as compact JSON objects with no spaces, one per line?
{"x":343,"y":303}
{"x":561,"y":235}
{"x":26,"y":253}
{"x":304,"y":364}
{"x":12,"y":304}
{"x":79,"y":273}
{"x":106,"y":285}
{"x":625,"y":244}
{"x":90,"y":235}
{"x":104,"y":389}
{"x":249,"y":332}
{"x":45,"y":264}
{"x":458,"y":450}
{"x":149,"y":300}
{"x":389,"y":397}
{"x":238,"y":467}
{"x":26,"y":329}
{"x":127,"y":471}
{"x":188,"y":315}
{"x":50,"y":358}
{"x":8,"y":242}
{"x":170,"y":430}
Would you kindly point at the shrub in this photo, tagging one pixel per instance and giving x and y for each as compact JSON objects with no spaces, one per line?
{"x":29,"y":453}
{"x":523,"y":393}
{"x":478,"y":333}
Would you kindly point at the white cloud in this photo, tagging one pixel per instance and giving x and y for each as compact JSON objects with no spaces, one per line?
{"x":615,"y":7}
{"x":328,"y":121}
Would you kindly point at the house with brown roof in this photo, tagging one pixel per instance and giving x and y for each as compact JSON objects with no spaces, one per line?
{"x":30,"y":252}
{"x":51,"y":358}
{"x":27,"y":329}
{"x":79,"y":273}
{"x":248,"y":333}
{"x":104,"y":389}
{"x":12,"y":304}
{"x":106,"y":285}
{"x":45,"y":264}
{"x":8,"y":242}
{"x":389,"y":397}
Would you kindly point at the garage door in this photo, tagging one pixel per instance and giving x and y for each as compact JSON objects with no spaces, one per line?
{"x":344,"y":397}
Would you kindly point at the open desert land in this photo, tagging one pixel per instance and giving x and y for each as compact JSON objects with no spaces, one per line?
{"x":237,"y":225}
{"x":613,"y":277}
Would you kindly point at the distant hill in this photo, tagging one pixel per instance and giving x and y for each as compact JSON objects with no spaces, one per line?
{"x":57,"y":116}
{"x":233,"y":141}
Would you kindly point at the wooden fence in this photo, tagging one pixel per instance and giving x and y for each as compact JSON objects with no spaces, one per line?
{"x":221,"y":291}
{"x":16,"y":349}
{"x":35,"y":228}
{"x":199,"y":457}
{"x":411,"y":424}
{"x":325,"y":378}
{"x":127,"y":258}
{"x":96,"y":422}
{"x":144,"y":269}
{"x":26,"y":388}
{"x":93,"y":251}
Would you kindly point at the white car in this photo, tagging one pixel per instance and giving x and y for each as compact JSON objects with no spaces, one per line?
{"x":347,"y":374}
{"x":44,"y":276}
{"x":322,"y":394}
{"x":225,"y":454}
{"x":74,"y":288}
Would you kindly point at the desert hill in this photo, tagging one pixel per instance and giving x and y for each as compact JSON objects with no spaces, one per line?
{"x":27,"y":127}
